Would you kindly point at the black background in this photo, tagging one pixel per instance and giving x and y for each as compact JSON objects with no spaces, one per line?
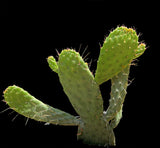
{"x":42,"y":29}
{"x":4,"y":8}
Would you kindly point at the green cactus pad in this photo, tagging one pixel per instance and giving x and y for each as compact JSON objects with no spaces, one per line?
{"x":52,"y":63}
{"x":115,"y":121}
{"x":140,"y":50}
{"x":25,"y":104}
{"x":79,"y":85}
{"x":119,"y":49}
{"x":118,"y":93}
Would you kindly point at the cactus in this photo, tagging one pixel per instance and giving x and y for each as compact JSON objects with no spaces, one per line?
{"x":95,"y":125}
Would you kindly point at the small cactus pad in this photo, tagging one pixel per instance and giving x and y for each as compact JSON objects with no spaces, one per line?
{"x":79,"y":85}
{"x":118,"y":93}
{"x":140,"y":50}
{"x":25,"y":104}
{"x":52,"y":63}
{"x":118,"y":50}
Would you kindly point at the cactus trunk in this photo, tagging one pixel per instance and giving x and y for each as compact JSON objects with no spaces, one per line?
{"x":96,"y":132}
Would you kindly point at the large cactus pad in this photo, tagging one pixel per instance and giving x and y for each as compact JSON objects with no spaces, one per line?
{"x":79,"y":85}
{"x":118,"y":50}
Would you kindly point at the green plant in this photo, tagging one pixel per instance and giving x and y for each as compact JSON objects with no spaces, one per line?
{"x":95,"y":126}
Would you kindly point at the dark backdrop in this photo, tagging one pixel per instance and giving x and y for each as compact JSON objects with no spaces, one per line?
{"x":4,"y":8}
{"x":44,"y":28}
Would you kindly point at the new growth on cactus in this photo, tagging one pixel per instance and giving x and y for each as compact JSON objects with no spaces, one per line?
{"x":95,"y":126}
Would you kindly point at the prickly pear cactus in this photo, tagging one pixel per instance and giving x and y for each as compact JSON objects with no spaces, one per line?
{"x":95,"y":126}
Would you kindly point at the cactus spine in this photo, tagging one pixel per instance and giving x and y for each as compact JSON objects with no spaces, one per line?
{"x":95,"y":126}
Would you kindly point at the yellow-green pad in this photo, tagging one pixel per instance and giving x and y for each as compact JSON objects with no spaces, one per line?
{"x":118,"y":50}
{"x":140,"y":50}
{"x":25,"y":104}
{"x":79,"y":85}
{"x":52,"y":63}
